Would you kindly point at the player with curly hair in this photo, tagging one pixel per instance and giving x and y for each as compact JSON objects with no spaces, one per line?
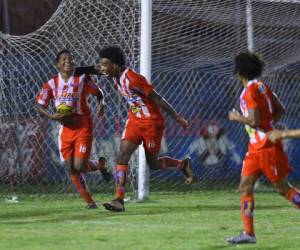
{"x":145,"y":123}
{"x":260,"y":109}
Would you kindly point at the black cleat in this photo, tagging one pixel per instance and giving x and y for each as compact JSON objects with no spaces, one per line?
{"x":188,"y":170}
{"x":91,"y":205}
{"x":116,"y":205}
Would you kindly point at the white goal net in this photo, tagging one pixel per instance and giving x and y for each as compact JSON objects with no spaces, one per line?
{"x":193,"y":46}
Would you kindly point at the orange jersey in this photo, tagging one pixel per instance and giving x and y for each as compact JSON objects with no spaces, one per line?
{"x":72,"y":93}
{"x":135,"y":88}
{"x":258,"y":95}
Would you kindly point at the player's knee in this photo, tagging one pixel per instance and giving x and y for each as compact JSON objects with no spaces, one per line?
{"x":73,"y":171}
{"x":245,"y":189}
{"x":79,"y":167}
{"x":123,"y":158}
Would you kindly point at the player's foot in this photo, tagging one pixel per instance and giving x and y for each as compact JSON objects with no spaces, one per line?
{"x":105,"y":169}
{"x":91,"y":205}
{"x":187,"y":170}
{"x":243,"y":238}
{"x":116,"y":205}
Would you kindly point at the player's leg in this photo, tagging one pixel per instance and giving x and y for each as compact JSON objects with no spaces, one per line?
{"x":165,"y":162}
{"x":127,"y":148}
{"x":81,"y":153}
{"x":277,"y":169}
{"x":285,"y":189}
{"x":152,"y":136}
{"x":250,"y":174}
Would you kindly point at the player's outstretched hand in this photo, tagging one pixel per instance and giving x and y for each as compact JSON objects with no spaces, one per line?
{"x":182,"y":122}
{"x":275,"y":135}
{"x":233,"y":115}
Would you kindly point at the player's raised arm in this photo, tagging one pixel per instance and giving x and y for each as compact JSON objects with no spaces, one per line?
{"x":164,"y":105}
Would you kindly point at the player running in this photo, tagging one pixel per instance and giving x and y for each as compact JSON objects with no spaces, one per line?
{"x":260,"y":109}
{"x":76,"y":130}
{"x":145,"y":122}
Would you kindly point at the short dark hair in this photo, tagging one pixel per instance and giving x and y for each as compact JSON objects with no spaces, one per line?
{"x":64,"y":51}
{"x":248,"y":65}
{"x":113,"y":53}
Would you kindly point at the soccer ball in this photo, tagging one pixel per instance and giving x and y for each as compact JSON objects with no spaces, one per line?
{"x":64,"y":109}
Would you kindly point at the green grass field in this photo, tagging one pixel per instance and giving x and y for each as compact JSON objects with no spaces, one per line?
{"x":198,"y":220}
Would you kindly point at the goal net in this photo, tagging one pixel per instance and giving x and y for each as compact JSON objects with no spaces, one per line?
{"x":193,"y":46}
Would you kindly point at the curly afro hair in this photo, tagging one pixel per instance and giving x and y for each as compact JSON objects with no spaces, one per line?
{"x":114,"y":53}
{"x":248,"y":65}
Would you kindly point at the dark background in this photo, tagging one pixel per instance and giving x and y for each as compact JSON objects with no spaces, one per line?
{"x":26,"y":16}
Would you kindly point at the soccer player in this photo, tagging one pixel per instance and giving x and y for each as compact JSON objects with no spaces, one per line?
{"x":145,"y":122}
{"x":76,"y":131}
{"x":260,"y":109}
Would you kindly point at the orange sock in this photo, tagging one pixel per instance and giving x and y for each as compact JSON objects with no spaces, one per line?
{"x":293,"y":195}
{"x":80,"y":188}
{"x":168,"y":162}
{"x":247,"y":210}
{"x":120,"y":192}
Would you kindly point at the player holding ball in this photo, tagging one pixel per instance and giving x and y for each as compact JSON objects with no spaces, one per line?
{"x":69,"y":91}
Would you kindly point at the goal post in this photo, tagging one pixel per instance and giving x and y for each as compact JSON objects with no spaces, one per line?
{"x":145,"y":70}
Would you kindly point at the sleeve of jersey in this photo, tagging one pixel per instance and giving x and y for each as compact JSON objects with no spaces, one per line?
{"x":140,"y":85}
{"x":251,"y":98}
{"x":45,"y":95}
{"x":90,"y":86}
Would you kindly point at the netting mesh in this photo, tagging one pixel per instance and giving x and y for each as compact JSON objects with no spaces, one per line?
{"x":193,"y":45}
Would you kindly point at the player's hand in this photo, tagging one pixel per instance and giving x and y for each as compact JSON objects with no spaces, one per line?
{"x":58,"y":117}
{"x":182,"y":122}
{"x":234,"y":115}
{"x":275,"y":135}
{"x":100,"y":109}
{"x":65,"y":119}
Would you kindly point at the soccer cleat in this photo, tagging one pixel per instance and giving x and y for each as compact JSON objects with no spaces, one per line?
{"x":91,"y":205}
{"x":105,"y":170}
{"x":243,"y":238}
{"x":116,"y":205}
{"x":187,"y":170}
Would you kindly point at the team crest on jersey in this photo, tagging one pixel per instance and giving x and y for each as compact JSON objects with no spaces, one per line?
{"x":262,"y":88}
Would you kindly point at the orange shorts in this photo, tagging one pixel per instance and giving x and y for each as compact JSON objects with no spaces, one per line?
{"x":148,"y":132}
{"x":272,"y":162}
{"x":75,"y":142}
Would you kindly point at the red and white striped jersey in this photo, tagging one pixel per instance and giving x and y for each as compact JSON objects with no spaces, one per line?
{"x":258,"y":95}
{"x":135,"y":88}
{"x":72,"y":93}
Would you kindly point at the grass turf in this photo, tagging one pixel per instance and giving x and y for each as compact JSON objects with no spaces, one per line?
{"x":198,"y":220}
